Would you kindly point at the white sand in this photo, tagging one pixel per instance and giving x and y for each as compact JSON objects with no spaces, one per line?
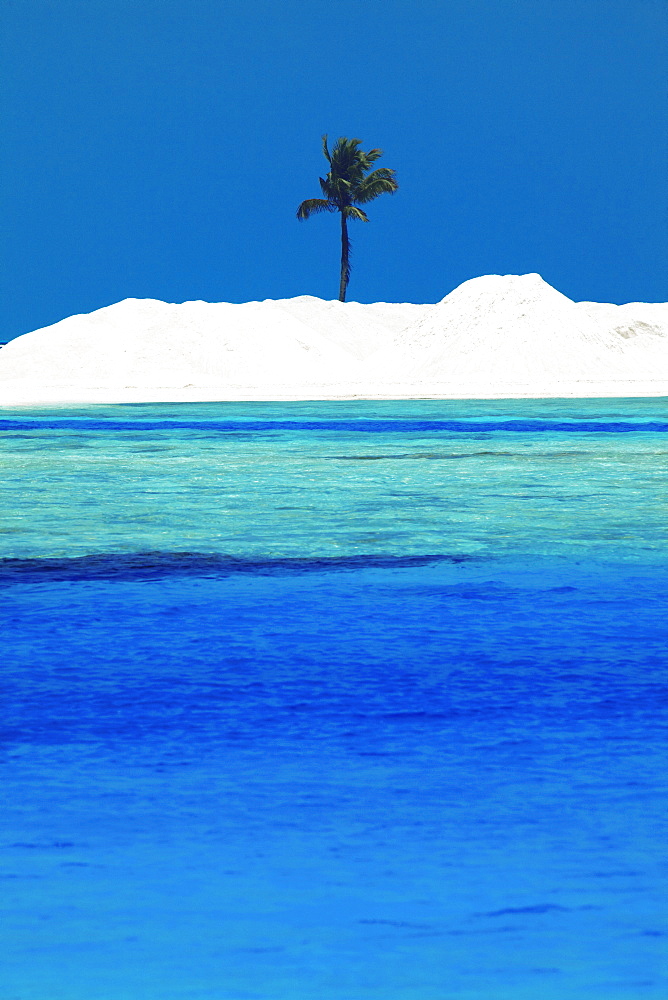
{"x":493,"y":337}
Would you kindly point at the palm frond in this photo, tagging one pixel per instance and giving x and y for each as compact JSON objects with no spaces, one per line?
{"x":350,"y":145}
{"x":347,"y":159}
{"x":352,"y":212}
{"x":382,"y":172}
{"x":325,"y":149}
{"x":374,"y":186}
{"x":314,"y":205}
{"x":325,"y":186}
{"x":339,"y":190}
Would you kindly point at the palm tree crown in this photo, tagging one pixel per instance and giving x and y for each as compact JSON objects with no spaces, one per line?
{"x":347,"y":185}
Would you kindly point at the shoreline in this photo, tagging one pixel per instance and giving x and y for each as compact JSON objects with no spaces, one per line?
{"x":26,"y":395}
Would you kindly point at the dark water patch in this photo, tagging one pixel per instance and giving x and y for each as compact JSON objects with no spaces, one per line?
{"x":158,"y":565}
{"x":14,"y":876}
{"x":58,"y":845}
{"x":487,"y":932}
{"x":538,"y":908}
{"x":362,"y":425}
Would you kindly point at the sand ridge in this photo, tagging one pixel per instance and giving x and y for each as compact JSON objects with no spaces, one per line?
{"x":492,"y":337}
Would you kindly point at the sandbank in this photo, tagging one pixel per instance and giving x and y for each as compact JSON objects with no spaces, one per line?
{"x":494,"y":337}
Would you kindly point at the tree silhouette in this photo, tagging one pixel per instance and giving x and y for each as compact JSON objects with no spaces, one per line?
{"x":347,"y":185}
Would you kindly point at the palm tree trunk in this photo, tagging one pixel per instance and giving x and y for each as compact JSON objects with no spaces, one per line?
{"x":345,"y":259}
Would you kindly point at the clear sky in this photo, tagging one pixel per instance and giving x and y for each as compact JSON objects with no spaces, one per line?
{"x":159,"y":148}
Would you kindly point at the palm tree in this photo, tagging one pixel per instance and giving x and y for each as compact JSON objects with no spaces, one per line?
{"x":347,"y":185}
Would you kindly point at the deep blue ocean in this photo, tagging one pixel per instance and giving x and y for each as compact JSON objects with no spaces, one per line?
{"x":335,"y":701}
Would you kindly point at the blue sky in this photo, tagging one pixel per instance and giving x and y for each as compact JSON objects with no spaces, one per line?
{"x":160,"y":149}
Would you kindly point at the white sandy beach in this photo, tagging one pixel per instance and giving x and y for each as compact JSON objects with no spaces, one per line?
{"x":510,"y":336}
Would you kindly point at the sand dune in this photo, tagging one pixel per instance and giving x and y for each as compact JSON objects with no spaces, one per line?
{"x":494,"y":336}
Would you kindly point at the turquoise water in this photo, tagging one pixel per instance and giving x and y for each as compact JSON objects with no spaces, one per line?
{"x":334,"y":700}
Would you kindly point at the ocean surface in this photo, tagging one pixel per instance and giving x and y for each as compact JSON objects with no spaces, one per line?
{"x":334,"y":701}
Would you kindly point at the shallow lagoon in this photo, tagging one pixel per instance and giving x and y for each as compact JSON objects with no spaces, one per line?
{"x":335,"y":700}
